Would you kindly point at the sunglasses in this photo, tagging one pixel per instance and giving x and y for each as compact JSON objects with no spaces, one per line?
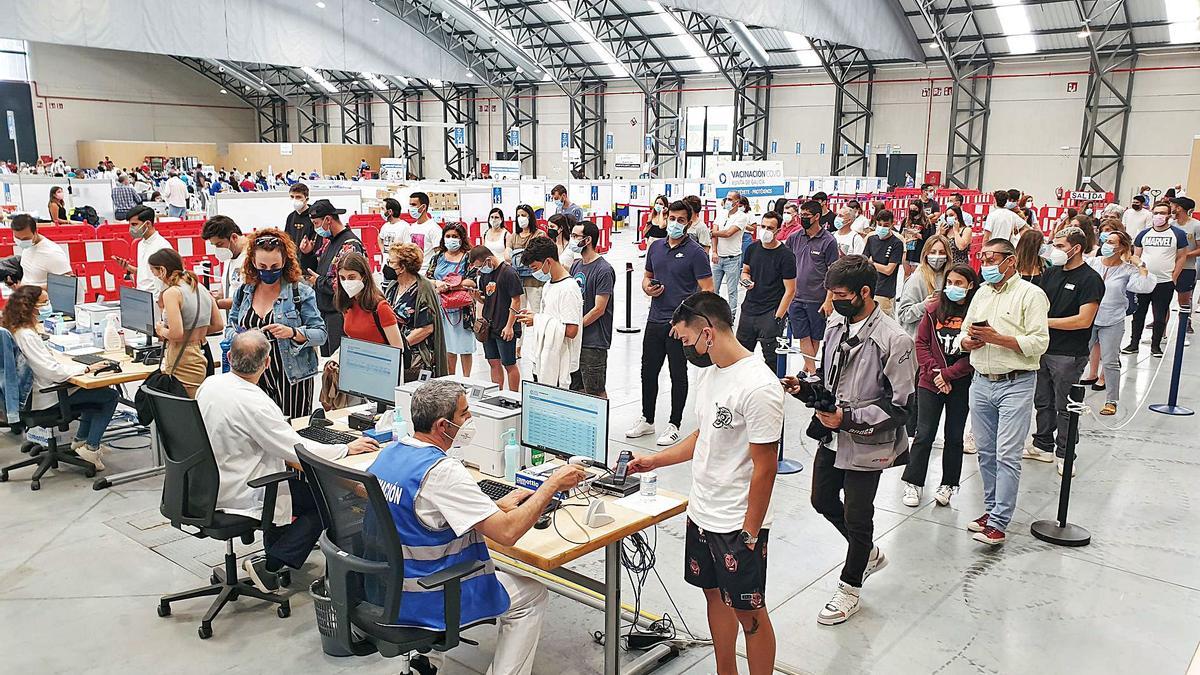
{"x":268,"y":242}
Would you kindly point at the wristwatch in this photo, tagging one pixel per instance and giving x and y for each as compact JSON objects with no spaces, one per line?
{"x":748,"y":540}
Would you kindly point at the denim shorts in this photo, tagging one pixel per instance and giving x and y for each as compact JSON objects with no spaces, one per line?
{"x":505,"y":350}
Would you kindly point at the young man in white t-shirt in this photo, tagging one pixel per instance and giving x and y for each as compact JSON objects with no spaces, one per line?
{"x":394,"y":230}
{"x":727,"y":249}
{"x":424,"y":232}
{"x":39,"y":255}
{"x":555,"y":343}
{"x":739,"y":414}
{"x":147,"y":240}
{"x":1163,"y":248}
{"x":1002,"y":222}
{"x":1137,"y":217}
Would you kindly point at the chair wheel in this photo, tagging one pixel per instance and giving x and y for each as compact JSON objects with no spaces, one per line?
{"x":284,"y":611}
{"x":214,"y":579}
{"x":89,"y":473}
{"x":204,"y":632}
{"x":421,"y":665}
{"x":164,"y":610}
{"x":35,"y":485}
{"x":285,"y":578}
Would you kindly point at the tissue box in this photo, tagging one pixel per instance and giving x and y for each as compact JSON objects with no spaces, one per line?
{"x":533,"y":477}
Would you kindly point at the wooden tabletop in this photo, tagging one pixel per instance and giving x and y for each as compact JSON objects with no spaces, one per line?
{"x":130,"y":371}
{"x":549,"y":548}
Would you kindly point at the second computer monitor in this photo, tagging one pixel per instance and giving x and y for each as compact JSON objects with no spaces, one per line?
{"x":63,"y":291}
{"x":370,"y":370}
{"x":137,"y":310}
{"x":564,"y":423}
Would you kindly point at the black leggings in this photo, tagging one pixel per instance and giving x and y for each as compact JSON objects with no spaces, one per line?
{"x":1160,"y":299}
{"x":929,"y":405}
{"x":657,"y":346}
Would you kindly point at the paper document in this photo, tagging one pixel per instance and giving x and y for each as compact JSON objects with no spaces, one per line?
{"x":651,"y":506}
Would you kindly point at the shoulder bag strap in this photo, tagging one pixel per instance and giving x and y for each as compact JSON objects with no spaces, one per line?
{"x":187,"y":336}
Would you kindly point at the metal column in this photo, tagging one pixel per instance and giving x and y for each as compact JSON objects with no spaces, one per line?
{"x":1109,"y":94}
{"x":852,"y":74}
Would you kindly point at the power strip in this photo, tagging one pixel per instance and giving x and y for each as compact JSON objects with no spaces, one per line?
{"x":643,"y":641}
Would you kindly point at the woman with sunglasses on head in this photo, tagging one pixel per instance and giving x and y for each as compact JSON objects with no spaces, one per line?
{"x":274,"y":299}
{"x":449,"y":268}
{"x":189,"y":316}
{"x":366,"y":315}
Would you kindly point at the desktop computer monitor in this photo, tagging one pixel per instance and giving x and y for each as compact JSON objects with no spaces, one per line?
{"x":137,"y":310}
{"x":564,"y":423}
{"x":370,"y":370}
{"x":64,"y":292}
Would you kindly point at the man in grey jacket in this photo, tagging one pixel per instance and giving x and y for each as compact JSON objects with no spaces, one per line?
{"x":869,"y":367}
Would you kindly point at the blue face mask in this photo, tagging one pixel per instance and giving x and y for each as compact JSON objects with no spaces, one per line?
{"x":1107,"y":250}
{"x":576,"y":246}
{"x":269,"y":276}
{"x":321,"y":231}
{"x":487,"y":269}
{"x":675,"y":229}
{"x":882,"y":231}
{"x":991,"y":274}
{"x":452,"y":243}
{"x":543,"y":277}
{"x":955,"y":293}
{"x":414,"y":211}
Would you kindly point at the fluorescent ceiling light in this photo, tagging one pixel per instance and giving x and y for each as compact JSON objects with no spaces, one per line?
{"x":320,"y":79}
{"x":1014,"y":20}
{"x":1184,"y":18}
{"x":499,"y":37}
{"x":804,"y":50}
{"x":690,"y":43}
{"x":375,"y":81}
{"x":436,"y":83}
{"x":585,"y":34}
{"x":321,"y":5}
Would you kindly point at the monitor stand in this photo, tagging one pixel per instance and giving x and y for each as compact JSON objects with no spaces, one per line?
{"x":381,"y":408}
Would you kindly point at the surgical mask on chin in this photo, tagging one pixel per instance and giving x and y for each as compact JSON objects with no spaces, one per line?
{"x":936,"y":261}
{"x":466,"y":434}
{"x":955,"y":293}
{"x":159,"y":285}
{"x":352,"y":286}
{"x":766,"y":236}
{"x":298,"y":205}
{"x":1158,"y":220}
{"x":223,"y":254}
{"x":991,"y":274}
{"x":675,"y":230}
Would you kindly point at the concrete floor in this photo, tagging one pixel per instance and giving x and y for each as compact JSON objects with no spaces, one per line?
{"x":80,"y":571}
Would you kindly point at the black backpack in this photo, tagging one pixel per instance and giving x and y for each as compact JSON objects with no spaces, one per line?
{"x":88,"y":215}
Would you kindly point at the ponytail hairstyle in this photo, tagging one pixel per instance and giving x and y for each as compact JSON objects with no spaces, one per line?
{"x":170,"y":260}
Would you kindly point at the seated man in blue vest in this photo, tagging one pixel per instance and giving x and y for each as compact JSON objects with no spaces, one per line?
{"x":438,"y":506}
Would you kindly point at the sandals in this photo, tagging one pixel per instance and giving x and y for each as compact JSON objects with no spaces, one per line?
{"x":1109,"y":408}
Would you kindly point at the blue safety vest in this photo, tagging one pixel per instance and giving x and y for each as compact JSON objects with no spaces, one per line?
{"x":401,"y":470}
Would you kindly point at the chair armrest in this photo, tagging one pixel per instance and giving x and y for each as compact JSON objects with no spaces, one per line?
{"x":61,"y":386}
{"x":263,"y":481}
{"x":455,"y":573}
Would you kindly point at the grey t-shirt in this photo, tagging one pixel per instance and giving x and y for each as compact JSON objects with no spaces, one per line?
{"x":596,"y":278}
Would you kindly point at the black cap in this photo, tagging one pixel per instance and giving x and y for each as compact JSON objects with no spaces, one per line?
{"x":322,"y":208}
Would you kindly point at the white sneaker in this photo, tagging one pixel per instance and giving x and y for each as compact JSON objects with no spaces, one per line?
{"x":969,"y":444}
{"x":840,"y":607}
{"x":912,"y":495}
{"x":256,"y":569}
{"x":639,"y":429}
{"x":942,"y":496}
{"x":90,"y":455}
{"x":670,"y":436}
{"x":876,"y":562}
{"x":1061,"y":464}
{"x":1037,"y":454}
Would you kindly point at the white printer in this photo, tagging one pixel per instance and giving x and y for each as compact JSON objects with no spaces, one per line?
{"x":494,"y":412}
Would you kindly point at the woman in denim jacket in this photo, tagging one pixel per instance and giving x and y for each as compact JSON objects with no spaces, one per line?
{"x":273,"y":299}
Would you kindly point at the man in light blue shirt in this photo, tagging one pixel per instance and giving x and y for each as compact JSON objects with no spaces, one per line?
{"x":563,"y":204}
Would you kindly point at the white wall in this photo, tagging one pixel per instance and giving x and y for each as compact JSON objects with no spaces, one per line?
{"x":99,"y":94}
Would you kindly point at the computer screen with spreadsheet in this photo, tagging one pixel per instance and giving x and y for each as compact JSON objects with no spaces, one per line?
{"x":370,"y":370}
{"x":564,"y":423}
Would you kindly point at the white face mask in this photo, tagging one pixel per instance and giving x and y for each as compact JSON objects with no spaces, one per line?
{"x":298,"y":205}
{"x":767,"y":236}
{"x":789,"y":217}
{"x":466,"y":434}
{"x":223,"y":254}
{"x":352,"y":286}
{"x":523,"y":221}
{"x":495,"y":222}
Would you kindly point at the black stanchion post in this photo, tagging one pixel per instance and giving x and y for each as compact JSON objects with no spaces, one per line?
{"x":785,"y":466}
{"x":1059,"y":531}
{"x":628,"y":327}
{"x":1172,"y":407}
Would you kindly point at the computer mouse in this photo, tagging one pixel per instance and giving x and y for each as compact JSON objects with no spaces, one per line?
{"x":542,"y":522}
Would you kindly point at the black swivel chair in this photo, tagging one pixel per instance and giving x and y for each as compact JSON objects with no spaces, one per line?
{"x":364,"y":566}
{"x":58,"y":417}
{"x":189,"y":501}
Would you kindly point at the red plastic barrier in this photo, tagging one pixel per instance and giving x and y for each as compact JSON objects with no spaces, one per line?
{"x":182,"y":228}
{"x":64,"y":233}
{"x":369,"y":235}
{"x":96,"y":250}
{"x":101,"y":279}
{"x":373,"y":219}
{"x":6,"y":236}
{"x":113,"y":231}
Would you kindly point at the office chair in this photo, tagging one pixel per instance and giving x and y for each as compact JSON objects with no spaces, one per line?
{"x":58,"y":417}
{"x":364,"y":566}
{"x":189,"y":501}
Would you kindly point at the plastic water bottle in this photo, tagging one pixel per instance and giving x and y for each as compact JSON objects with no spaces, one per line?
{"x":648,"y":486}
{"x":226,"y":342}
{"x":512,"y":455}
{"x":399,"y":426}
{"x":112,"y":334}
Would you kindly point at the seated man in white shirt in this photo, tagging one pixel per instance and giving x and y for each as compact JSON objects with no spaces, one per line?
{"x":39,"y":255}
{"x":251,"y":438}
{"x":438,"y":507}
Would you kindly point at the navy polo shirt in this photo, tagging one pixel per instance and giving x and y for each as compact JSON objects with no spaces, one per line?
{"x":679,"y":268}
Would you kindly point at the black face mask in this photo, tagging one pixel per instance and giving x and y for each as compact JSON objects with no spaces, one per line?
{"x":552,"y":233}
{"x":389,"y":273}
{"x":847,"y":308}
{"x":696,"y":358}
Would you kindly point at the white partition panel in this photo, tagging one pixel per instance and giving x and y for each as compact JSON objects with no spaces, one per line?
{"x":255,"y":210}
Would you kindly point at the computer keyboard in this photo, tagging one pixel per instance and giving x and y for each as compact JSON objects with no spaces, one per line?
{"x":495,"y":490}
{"x":88,"y":359}
{"x":325,"y":435}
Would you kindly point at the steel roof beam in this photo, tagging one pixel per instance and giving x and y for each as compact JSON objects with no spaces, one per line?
{"x":852,"y":74}
{"x":1113,"y":57}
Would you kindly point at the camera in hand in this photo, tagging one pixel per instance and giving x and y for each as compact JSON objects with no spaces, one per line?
{"x":814,"y":395}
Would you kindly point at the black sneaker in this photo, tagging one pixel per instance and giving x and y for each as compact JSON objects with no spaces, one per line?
{"x":1156,"y":351}
{"x":256,"y":569}
{"x":1130,"y":348}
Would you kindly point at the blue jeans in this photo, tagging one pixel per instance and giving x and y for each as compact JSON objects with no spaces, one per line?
{"x":96,"y":407}
{"x":176,"y":211}
{"x":728,"y":269}
{"x":1000,"y":417}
